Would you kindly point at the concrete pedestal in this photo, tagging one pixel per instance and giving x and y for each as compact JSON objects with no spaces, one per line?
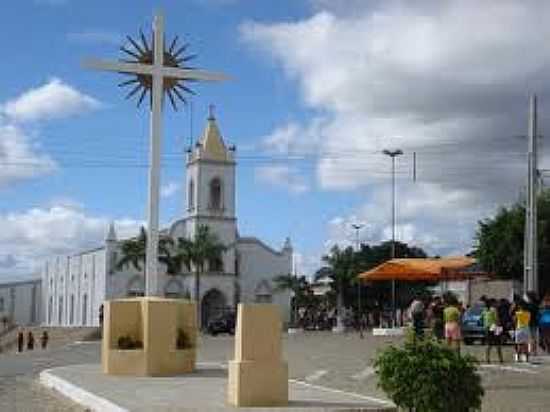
{"x":258,"y":376}
{"x":156,"y":323}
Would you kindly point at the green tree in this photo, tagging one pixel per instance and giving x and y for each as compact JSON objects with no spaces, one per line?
{"x":343,"y":266}
{"x":339,"y":268}
{"x":204,"y":248}
{"x":133,"y":253}
{"x":499,"y":241}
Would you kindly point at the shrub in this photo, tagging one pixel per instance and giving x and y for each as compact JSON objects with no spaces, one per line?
{"x":425,"y":376}
{"x":182,"y":340}
{"x":127,"y":343}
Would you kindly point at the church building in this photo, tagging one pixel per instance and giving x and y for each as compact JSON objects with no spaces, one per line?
{"x":74,"y":287}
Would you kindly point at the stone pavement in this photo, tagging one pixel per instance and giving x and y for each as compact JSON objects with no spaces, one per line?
{"x":342,"y":362}
{"x":203,"y":390}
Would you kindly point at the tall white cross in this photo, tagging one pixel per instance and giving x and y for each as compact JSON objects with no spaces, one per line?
{"x":158,"y":71}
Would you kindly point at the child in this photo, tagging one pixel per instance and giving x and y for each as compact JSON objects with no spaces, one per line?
{"x":522,"y":319}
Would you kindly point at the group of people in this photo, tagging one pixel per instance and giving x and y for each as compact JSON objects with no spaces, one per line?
{"x":525,"y":321}
{"x":30,"y":340}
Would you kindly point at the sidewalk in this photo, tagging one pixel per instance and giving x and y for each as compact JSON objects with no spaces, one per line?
{"x":203,"y":390}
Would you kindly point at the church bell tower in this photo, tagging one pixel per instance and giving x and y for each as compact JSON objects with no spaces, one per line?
{"x":210,"y":184}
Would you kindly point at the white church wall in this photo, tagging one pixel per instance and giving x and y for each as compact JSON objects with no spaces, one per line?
{"x":225,"y":231}
{"x":258,"y":264}
{"x":74,"y":288}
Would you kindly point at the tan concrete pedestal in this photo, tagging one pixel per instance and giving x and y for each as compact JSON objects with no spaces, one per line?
{"x":258,"y":376}
{"x":154,"y":322}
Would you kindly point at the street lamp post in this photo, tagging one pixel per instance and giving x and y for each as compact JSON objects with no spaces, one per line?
{"x":393,"y":154}
{"x":357,"y":227}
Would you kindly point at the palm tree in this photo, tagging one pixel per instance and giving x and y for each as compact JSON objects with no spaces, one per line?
{"x":340,"y":265}
{"x":133,"y":253}
{"x":195,"y":253}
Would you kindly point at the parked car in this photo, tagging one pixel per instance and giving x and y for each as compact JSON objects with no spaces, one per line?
{"x":222,"y":324}
{"x":472,"y":325}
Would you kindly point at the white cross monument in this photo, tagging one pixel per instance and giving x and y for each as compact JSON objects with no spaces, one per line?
{"x":159,"y":72}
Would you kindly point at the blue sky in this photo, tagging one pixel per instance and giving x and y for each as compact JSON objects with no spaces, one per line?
{"x":318,"y":88}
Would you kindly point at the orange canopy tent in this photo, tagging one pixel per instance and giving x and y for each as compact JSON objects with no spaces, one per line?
{"x":419,"y":269}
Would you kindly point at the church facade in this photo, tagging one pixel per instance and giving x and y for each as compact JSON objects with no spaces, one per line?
{"x":74,"y":287}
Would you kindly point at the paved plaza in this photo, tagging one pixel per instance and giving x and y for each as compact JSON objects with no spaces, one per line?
{"x":342,"y":362}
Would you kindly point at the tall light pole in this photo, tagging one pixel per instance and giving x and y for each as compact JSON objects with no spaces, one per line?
{"x":530,"y":274}
{"x":393,"y":154}
{"x":357,"y":227}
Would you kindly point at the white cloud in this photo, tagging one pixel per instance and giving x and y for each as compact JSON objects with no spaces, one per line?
{"x":19,"y":159}
{"x":55,"y":99}
{"x":170,"y":189}
{"x":282,"y":176}
{"x":413,"y":75}
{"x":29,"y":236}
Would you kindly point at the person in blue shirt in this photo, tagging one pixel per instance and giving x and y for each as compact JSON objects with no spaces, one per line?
{"x":544,"y":323}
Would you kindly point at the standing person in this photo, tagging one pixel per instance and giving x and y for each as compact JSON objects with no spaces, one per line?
{"x":20,"y":340}
{"x":503,"y":311}
{"x":522,"y":318}
{"x":451,"y":316}
{"x":30,"y":341}
{"x":437,"y":318}
{"x":416,"y":311}
{"x":544,"y":323}
{"x":44,"y":340}
{"x":493,"y":330}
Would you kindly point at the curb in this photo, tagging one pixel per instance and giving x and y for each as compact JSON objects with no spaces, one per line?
{"x":77,"y":394}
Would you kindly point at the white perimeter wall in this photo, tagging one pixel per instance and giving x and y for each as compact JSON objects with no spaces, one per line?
{"x":18,"y":303}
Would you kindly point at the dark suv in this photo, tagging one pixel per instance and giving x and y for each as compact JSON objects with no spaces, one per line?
{"x":222,"y":324}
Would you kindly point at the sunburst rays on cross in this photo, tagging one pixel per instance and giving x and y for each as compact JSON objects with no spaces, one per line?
{"x":142,"y":51}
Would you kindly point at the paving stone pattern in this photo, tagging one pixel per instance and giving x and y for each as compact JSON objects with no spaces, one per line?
{"x":338,"y":361}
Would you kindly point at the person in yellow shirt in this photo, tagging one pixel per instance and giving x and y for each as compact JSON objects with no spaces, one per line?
{"x":451,"y":317}
{"x":522,"y":318}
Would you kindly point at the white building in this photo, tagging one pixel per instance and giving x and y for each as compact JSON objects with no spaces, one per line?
{"x":20,"y":302}
{"x":75,"y":286}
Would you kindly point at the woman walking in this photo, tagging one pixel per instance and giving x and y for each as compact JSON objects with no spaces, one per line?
{"x":493,"y":330}
{"x":522,"y":319}
{"x":451,"y":316}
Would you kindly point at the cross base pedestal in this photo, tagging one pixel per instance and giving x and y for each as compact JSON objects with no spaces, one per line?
{"x":149,"y":336}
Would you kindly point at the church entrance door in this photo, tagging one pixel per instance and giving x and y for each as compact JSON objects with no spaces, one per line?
{"x":213,"y":305}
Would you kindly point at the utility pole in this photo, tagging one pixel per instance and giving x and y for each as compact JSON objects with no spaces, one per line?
{"x":357,"y":227}
{"x":393,"y":154}
{"x":530,"y":255}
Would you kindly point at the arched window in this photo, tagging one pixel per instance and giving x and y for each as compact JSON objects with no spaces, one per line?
{"x":50,"y":309}
{"x":60,"y":311}
{"x":191,"y":195}
{"x":85,"y":309}
{"x":216,"y":194}
{"x":71,"y":314}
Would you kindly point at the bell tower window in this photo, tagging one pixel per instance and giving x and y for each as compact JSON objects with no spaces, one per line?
{"x":191,"y":196}
{"x":216,"y":194}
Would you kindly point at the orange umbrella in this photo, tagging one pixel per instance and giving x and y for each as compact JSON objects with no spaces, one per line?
{"x":429,"y":269}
